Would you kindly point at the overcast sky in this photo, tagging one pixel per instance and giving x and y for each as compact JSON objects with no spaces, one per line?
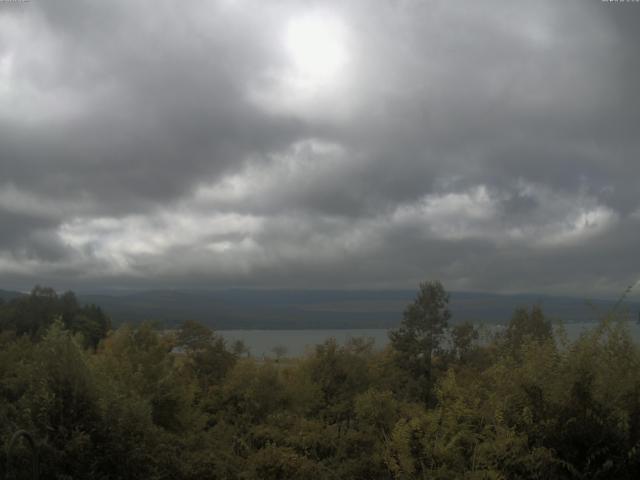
{"x":491,"y":145}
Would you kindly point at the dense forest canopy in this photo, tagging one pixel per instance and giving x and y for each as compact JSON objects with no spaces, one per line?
{"x":138,"y":403}
{"x":32,"y":315}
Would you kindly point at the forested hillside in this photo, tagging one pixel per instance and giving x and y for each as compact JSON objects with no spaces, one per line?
{"x":133,"y":403}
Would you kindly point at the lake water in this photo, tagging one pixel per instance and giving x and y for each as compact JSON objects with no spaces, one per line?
{"x":297,"y":342}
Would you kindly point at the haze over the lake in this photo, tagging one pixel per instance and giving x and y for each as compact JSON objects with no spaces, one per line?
{"x":320,"y":144}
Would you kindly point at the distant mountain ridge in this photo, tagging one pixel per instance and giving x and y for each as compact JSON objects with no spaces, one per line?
{"x":319,"y":309}
{"x":7,"y":295}
{"x":231,"y":309}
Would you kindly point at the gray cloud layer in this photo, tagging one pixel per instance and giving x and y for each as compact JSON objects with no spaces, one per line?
{"x":493,"y":145}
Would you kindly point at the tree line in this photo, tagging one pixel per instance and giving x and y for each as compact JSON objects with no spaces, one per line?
{"x":137,"y":403}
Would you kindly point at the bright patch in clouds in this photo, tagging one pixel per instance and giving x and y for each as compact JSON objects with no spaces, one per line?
{"x":317,"y":47}
{"x":558,"y":219}
{"x":579,"y":227}
{"x":314,"y":79}
{"x":453,"y":216}
{"x":299,"y":167}
{"x":123,"y":242}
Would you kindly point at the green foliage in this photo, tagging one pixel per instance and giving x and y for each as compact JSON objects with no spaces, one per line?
{"x":33,"y":314}
{"x":463,"y":338}
{"x":207,"y":358}
{"x":525,"y":326}
{"x":275,"y":463}
{"x":340,"y":373}
{"x":420,"y":335}
{"x":144,"y":404}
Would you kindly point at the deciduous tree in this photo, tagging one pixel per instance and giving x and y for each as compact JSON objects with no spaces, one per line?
{"x":421,"y":332}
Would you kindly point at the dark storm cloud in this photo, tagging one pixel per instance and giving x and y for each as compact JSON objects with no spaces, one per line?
{"x":491,"y":145}
{"x":159,"y":104}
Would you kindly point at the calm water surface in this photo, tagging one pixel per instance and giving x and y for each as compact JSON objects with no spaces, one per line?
{"x":297,"y":342}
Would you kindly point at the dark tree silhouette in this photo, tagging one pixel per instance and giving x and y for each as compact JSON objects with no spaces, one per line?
{"x":421,"y":332}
